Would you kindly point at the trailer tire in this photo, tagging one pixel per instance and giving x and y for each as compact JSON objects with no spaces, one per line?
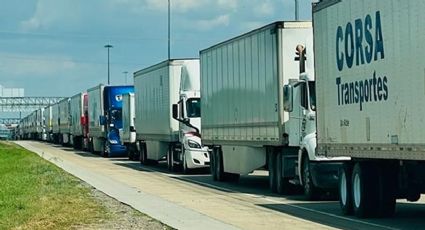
{"x":345,"y":189}
{"x":143,"y":154}
{"x":212,"y":165}
{"x":170,"y":159}
{"x":271,"y":162}
{"x":282,"y":183}
{"x":219,"y":169}
{"x":387,"y":190}
{"x":365,"y":190}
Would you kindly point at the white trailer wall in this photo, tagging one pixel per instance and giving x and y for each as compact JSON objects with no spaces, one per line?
{"x":385,"y":41}
{"x":95,"y":107}
{"x":64,"y":113}
{"x":242,"y":81}
{"x":77,"y":111}
{"x":156,"y":89}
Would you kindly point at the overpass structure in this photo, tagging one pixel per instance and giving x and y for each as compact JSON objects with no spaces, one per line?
{"x":26,"y":104}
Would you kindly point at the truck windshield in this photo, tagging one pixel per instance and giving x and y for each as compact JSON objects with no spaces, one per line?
{"x":312,"y":92}
{"x":116,"y":115}
{"x":193,"y":107}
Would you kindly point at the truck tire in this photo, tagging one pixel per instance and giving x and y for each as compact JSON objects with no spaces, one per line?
{"x":105,"y":149}
{"x":344,"y":189}
{"x":143,"y":154}
{"x":271,"y":162}
{"x":212,"y":165}
{"x":365,"y":190}
{"x":387,"y":190}
{"x":219,"y":165}
{"x":170,"y":159}
{"x":282,"y":184}
{"x":311,"y":192}
{"x":185,"y":169}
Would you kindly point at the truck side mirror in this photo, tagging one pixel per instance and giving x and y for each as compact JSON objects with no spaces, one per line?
{"x":287,"y":98}
{"x":102,"y":120}
{"x":175,"y":111}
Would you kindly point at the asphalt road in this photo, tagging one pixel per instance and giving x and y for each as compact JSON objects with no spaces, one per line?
{"x":252,"y":193}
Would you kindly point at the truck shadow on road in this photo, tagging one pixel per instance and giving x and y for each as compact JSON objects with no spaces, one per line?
{"x":408,"y":215}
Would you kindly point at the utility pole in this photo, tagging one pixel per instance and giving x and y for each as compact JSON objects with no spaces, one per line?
{"x":108,"y":46}
{"x":297,"y":8}
{"x":169,"y":29}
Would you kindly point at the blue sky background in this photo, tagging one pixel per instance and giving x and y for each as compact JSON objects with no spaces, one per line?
{"x":56,"y":47}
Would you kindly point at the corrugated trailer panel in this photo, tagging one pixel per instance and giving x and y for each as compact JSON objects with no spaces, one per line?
{"x":64,"y":122}
{"x":156,"y":89}
{"x":55,"y":118}
{"x":95,"y":109}
{"x":242,"y":81}
{"x":48,"y":118}
{"x":370,"y":78}
{"x":77,"y":111}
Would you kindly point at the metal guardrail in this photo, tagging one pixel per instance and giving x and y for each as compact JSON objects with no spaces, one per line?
{"x":26,"y":104}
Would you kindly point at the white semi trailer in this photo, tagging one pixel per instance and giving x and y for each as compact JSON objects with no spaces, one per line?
{"x":243,"y":118}
{"x":370,"y":92}
{"x":55,"y":123}
{"x":79,"y":121}
{"x":47,"y":122}
{"x":160,"y":135}
{"x":64,"y":121}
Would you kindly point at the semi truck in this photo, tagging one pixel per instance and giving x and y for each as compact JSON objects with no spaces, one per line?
{"x":55,"y":123}
{"x":47,"y":122}
{"x":128,"y":131}
{"x":64,"y":122}
{"x":105,"y":119}
{"x":79,"y":121}
{"x":159,"y":134}
{"x":244,"y":121}
{"x":370,"y":88}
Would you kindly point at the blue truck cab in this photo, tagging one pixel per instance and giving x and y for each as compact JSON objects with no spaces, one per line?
{"x":112,"y":119}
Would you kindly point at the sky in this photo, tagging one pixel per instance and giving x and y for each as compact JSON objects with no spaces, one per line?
{"x":56,"y":47}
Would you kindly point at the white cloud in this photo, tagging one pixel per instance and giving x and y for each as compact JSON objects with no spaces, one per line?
{"x":49,"y":12}
{"x":23,"y":65}
{"x":221,"y":20}
{"x":265,"y":8}
{"x":228,"y":4}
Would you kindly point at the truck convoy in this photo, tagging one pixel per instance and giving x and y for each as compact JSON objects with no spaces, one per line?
{"x":105,"y":119}
{"x":79,"y":121}
{"x":370,"y":92}
{"x":160,"y":135}
{"x":243,"y":118}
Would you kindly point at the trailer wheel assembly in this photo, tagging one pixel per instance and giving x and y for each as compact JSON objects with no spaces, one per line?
{"x":344,"y":189}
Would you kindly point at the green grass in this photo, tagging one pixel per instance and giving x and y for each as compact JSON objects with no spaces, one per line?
{"x":35,"y":194}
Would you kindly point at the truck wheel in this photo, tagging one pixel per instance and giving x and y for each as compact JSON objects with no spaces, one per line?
{"x":282,"y":184}
{"x":387,"y":190}
{"x":143,"y":155}
{"x":184,"y":164}
{"x":130,"y":153}
{"x":365,"y":190}
{"x":310,"y":190}
{"x":213,"y":159}
{"x":272,"y":171}
{"x":170,"y":160}
{"x":219,"y":166}
{"x":105,"y":150}
{"x":344,"y":189}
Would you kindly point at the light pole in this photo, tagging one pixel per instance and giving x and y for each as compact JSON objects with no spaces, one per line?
{"x":125,"y":73}
{"x":297,"y":7}
{"x":108,"y":46}
{"x":169,"y":29}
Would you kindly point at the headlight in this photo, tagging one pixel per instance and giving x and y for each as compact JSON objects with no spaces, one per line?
{"x":114,"y":142}
{"x":193,"y":144}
